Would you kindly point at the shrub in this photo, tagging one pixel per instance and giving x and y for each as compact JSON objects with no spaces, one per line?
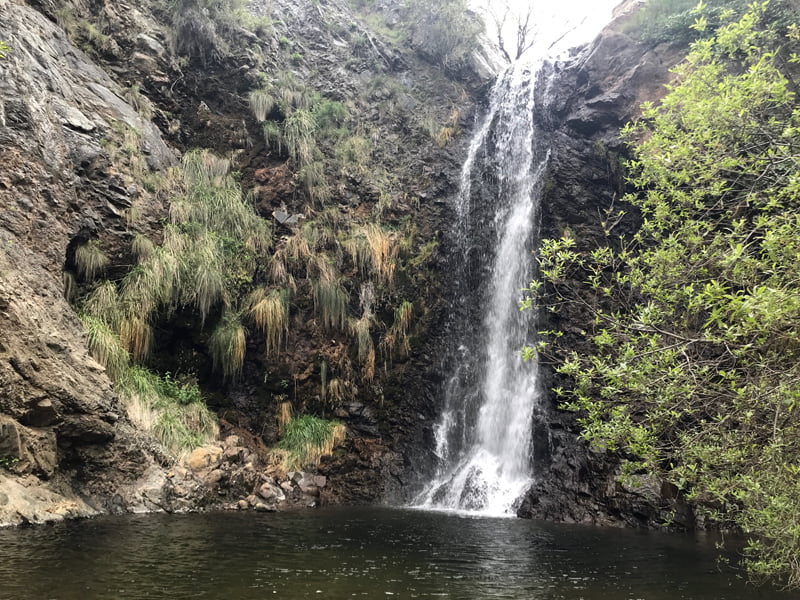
{"x":446,"y":32}
{"x":691,"y":367}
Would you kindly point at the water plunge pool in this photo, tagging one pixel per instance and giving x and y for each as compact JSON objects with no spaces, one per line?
{"x":357,"y":553}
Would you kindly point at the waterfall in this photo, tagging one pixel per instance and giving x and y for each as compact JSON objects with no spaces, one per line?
{"x":483,"y":437}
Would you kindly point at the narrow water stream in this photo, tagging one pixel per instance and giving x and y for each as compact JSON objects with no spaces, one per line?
{"x":357,"y":553}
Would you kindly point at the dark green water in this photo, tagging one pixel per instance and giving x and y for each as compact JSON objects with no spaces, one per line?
{"x":356,"y":553}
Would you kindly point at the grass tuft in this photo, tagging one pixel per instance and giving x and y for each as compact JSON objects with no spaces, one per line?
{"x":269,"y":310}
{"x":308,"y":439}
{"x":136,"y":335}
{"x":70,"y":285}
{"x":104,"y":304}
{"x":384,"y":248}
{"x":142,"y":247}
{"x":262,"y":103}
{"x":105,"y":346}
{"x":90,"y":260}
{"x":330,"y":302}
{"x":175,"y":413}
{"x":227,"y":345}
{"x":284,"y":416}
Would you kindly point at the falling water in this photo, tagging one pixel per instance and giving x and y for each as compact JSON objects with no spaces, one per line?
{"x":483,"y":438}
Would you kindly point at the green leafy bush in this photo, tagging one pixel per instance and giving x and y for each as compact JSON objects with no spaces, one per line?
{"x":672,"y":20}
{"x":695,"y":370}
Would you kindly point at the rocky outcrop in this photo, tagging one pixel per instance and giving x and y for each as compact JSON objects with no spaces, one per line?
{"x":65,"y":441}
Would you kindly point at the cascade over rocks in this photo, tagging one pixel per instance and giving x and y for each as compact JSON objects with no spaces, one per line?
{"x":68,"y":176}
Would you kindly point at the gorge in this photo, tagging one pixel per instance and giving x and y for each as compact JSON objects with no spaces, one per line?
{"x":268,"y":256}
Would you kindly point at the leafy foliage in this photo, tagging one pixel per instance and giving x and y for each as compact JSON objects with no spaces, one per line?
{"x":695,"y":368}
{"x":671,"y":20}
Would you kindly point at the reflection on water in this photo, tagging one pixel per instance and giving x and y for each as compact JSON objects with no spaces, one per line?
{"x":356,"y":553}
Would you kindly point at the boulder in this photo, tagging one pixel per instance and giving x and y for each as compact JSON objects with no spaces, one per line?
{"x":204,"y":457}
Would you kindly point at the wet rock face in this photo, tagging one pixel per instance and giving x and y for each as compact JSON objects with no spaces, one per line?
{"x":591,"y":99}
{"x":62,"y":429}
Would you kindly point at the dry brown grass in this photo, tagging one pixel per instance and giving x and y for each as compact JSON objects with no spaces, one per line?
{"x":269,"y":310}
{"x":384,"y":248}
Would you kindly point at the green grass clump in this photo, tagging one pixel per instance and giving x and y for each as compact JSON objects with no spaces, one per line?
{"x":90,"y":260}
{"x":307,"y":439}
{"x":174,"y":412}
{"x":142,"y":247}
{"x":104,"y":304}
{"x":227,"y":345}
{"x":330,"y":302}
{"x":261,"y":103}
{"x":298,"y":132}
{"x":105,"y":346}
{"x":396,"y":338}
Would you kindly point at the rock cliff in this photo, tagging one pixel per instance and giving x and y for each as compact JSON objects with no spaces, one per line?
{"x":97,"y":102}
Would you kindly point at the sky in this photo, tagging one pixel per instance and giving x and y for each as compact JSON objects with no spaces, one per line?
{"x":567,"y":23}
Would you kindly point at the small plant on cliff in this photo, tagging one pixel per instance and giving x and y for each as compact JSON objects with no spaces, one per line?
{"x":261,"y":103}
{"x":139,"y":102}
{"x":105,"y":346}
{"x":4,"y":49}
{"x":330,"y":302}
{"x":227,"y":345}
{"x":396,"y":338}
{"x":103,"y":303}
{"x":90,"y":260}
{"x":445,"y":31}
{"x":174,"y":412}
{"x":307,"y":439}
{"x":360,"y":329}
{"x":8,"y":462}
{"x":269,"y":310}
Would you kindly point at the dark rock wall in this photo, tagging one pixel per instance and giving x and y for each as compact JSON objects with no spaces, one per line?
{"x":592,"y":97}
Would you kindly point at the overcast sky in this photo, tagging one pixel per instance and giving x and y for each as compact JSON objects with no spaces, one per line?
{"x":580,"y":20}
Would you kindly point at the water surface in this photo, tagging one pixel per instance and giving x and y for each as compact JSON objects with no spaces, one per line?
{"x":356,"y":553}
